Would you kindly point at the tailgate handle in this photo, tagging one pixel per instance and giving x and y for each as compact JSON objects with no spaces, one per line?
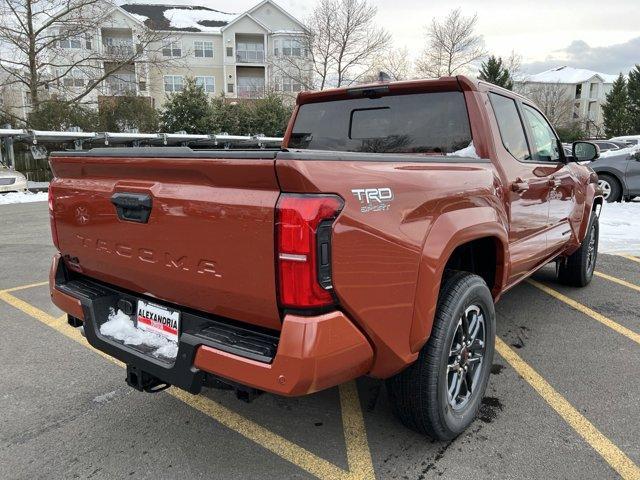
{"x":132,"y":207}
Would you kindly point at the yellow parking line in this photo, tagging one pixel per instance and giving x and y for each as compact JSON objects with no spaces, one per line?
{"x":619,"y":281}
{"x":24,"y":287}
{"x":358,"y":454}
{"x":601,"y":444}
{"x":355,"y":434}
{"x":630,"y":334}
{"x":630,"y":257}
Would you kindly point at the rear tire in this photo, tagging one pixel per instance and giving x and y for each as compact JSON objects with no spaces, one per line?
{"x":436,"y":395}
{"x":611,"y":188}
{"x":577,"y":269}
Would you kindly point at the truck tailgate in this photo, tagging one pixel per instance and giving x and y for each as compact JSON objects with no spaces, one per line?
{"x":208,"y":243}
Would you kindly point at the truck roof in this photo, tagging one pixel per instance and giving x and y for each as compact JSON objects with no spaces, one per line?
{"x":456,"y":83}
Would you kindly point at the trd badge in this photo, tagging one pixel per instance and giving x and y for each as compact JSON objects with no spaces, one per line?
{"x":374,"y":199}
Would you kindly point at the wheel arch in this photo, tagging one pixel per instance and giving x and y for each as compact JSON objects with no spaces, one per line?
{"x":455,"y":240}
{"x":619,"y":176}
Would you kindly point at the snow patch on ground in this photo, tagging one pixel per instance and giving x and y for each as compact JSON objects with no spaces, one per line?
{"x":120,"y":327}
{"x":22,"y":197}
{"x":468,"y":151}
{"x":106,"y":397}
{"x":620,"y":228}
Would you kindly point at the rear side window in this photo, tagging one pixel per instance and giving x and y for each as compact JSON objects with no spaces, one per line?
{"x":510,"y":126}
{"x":431,"y":123}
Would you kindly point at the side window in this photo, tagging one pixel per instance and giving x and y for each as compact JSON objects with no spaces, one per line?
{"x":545,"y":142}
{"x":510,"y":125}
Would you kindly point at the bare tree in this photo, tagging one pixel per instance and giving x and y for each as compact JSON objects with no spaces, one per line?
{"x":341,"y":44}
{"x":394,"y":62}
{"x":358,"y":40}
{"x":452,"y":46}
{"x":54,"y":49}
{"x":554,"y":100}
{"x":513,"y":63}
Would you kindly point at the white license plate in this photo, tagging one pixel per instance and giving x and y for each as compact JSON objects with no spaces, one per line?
{"x":161,"y":320}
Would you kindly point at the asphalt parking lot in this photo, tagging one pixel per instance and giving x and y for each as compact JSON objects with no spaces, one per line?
{"x":563,"y":400}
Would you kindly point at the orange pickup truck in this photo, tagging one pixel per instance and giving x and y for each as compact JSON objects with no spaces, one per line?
{"x":374,"y":242}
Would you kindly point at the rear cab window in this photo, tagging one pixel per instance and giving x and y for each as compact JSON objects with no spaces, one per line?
{"x":510,"y":126}
{"x":426,"y":123}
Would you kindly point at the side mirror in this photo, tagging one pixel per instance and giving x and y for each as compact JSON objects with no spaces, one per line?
{"x":585,"y":151}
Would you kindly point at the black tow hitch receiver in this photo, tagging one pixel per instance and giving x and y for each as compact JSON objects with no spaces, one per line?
{"x":144,"y":381}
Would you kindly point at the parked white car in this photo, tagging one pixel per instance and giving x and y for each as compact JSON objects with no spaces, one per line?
{"x":12,"y":181}
{"x":628,"y":139}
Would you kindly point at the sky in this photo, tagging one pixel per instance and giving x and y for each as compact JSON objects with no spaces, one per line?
{"x":595,"y":34}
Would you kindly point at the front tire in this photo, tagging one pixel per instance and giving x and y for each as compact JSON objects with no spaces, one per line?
{"x":577,"y":269}
{"x":439,"y":395}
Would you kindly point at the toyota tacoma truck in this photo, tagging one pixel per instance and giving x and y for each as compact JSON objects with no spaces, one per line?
{"x":374,"y":242}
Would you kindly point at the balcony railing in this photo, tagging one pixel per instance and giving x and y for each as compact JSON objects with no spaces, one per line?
{"x":121,"y":85}
{"x":250,"y":56}
{"x":250,"y":91}
{"x":118,"y":49}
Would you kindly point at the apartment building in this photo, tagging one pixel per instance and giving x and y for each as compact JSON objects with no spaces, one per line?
{"x":582,"y":91}
{"x":238,"y":55}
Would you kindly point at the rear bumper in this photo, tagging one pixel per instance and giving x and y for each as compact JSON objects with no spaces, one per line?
{"x":312,"y":353}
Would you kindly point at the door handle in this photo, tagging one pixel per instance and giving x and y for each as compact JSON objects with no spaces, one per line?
{"x":520,"y":186}
{"x":554,"y":182}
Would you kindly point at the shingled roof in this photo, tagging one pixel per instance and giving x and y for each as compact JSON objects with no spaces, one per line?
{"x":180,"y":17}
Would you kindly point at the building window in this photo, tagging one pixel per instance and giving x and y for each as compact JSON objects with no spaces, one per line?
{"x":203,"y":49}
{"x":289,"y":47}
{"x":251,"y":52}
{"x":173,"y":83}
{"x":70,"y":42}
{"x":593,"y":90}
{"x":593,"y":111}
{"x":578,"y":90}
{"x":229,"y":51}
{"x":229,"y":87}
{"x":287,"y":85}
{"x":171,"y":49}
{"x":73,"y":78}
{"x":208,"y":84}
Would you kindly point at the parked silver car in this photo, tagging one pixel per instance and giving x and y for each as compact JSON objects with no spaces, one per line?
{"x":12,"y":181}
{"x":619,"y":173}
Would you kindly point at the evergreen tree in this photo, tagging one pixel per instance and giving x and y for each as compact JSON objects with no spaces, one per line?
{"x":60,"y":115}
{"x":270,"y":116}
{"x":126,"y":113}
{"x":188,"y":110}
{"x":616,"y":109}
{"x":493,"y":71}
{"x":633,"y":89}
{"x":267,"y":116}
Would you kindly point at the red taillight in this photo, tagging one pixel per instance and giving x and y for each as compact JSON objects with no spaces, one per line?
{"x":52,"y":218}
{"x":303,"y":261}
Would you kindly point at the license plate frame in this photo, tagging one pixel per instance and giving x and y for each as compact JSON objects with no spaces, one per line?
{"x":158,"y":319}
